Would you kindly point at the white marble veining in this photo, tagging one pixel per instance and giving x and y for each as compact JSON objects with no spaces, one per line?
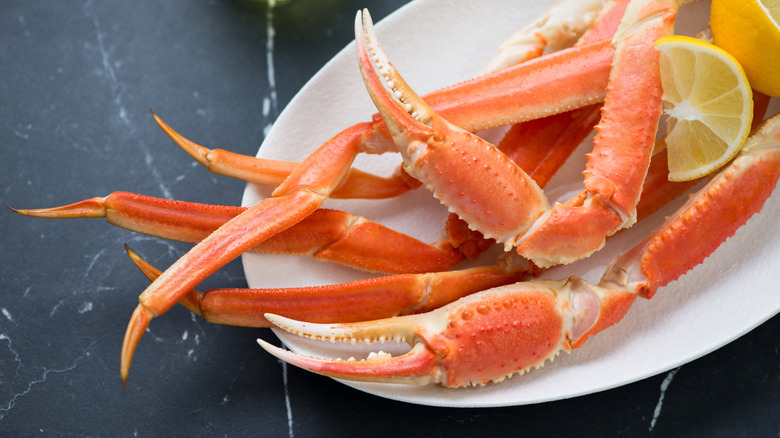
{"x":270,"y":112}
{"x":109,"y":72}
{"x":664,"y":386}
{"x":24,"y":382}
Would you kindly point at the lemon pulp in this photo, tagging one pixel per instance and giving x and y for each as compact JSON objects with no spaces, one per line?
{"x":709,"y":105}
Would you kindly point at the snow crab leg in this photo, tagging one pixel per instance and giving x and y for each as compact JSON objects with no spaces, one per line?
{"x":497,"y":333}
{"x":361,"y":300}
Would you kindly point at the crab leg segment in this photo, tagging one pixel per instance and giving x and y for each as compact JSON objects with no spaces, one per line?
{"x":626,"y":133}
{"x":501,"y":331}
{"x":327,"y":235}
{"x":527,"y":91}
{"x":361,"y":300}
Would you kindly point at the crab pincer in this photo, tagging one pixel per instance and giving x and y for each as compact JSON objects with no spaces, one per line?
{"x":484,"y":337}
{"x":453,"y":163}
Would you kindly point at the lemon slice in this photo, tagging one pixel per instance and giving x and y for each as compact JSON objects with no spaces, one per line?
{"x":750,"y":30}
{"x":709,"y":105}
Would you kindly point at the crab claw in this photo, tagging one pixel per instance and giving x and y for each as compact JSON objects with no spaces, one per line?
{"x":484,"y":337}
{"x":428,"y":144}
{"x":417,"y":367}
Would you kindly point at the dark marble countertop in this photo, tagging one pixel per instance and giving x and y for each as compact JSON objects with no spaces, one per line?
{"x":76,"y":81}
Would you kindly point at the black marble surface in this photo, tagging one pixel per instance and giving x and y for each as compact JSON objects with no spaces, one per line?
{"x":76,"y":81}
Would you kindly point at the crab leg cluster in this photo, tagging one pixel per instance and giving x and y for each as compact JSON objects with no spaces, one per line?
{"x":608,"y":79}
{"x":304,"y":190}
{"x":362,"y":300}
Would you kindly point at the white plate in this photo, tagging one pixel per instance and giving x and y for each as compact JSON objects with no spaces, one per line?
{"x":434,"y":43}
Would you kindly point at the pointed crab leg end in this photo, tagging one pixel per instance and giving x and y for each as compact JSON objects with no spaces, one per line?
{"x":196,"y":151}
{"x":280,"y":353}
{"x":330,"y":332}
{"x":418,"y":367}
{"x":93,"y":207}
{"x":401,"y":108}
{"x":191,"y":301}
{"x":399,"y":329}
{"x":135,"y":329}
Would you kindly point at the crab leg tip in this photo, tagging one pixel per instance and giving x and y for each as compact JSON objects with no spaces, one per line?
{"x":148,"y":270}
{"x":363,"y":17}
{"x":277,"y":320}
{"x":158,"y":120}
{"x":131,"y":253}
{"x":286,"y":324}
{"x":196,"y":151}
{"x":418,"y":367}
{"x":135,"y":330}
{"x":93,"y":207}
{"x":279,"y":353}
{"x":305,"y":362}
{"x":300,"y":328}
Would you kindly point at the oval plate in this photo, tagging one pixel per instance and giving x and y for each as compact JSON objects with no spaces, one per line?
{"x":434,"y":43}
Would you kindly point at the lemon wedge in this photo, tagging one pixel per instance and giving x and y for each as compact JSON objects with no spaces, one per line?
{"x":709,"y":105}
{"x":750,"y":30}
